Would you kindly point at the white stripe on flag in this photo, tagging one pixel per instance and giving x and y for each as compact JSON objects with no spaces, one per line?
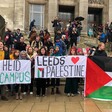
{"x":109,"y":73}
{"x":109,"y":84}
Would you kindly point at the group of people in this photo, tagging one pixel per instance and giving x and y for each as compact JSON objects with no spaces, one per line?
{"x":102,"y":33}
{"x":72,"y":30}
{"x":41,"y":44}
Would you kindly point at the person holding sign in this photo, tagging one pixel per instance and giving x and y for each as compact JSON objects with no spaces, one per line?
{"x":22,"y":56}
{"x":41,"y":82}
{"x":31,"y":56}
{"x":55,"y":82}
{"x":71,"y":85}
{"x":14,"y":56}
{"x":3,"y":55}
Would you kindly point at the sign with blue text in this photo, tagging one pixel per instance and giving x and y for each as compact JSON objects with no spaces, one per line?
{"x":60,"y":67}
{"x":15,"y":72}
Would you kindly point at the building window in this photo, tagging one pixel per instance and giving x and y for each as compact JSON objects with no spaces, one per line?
{"x":37,"y":13}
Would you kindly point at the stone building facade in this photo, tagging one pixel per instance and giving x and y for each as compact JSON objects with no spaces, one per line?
{"x":19,"y":13}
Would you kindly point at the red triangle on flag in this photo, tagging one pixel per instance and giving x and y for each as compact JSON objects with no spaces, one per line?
{"x":95,"y":77}
{"x":41,"y":69}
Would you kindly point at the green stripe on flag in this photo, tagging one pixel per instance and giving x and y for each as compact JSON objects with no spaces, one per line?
{"x":104,"y":93}
{"x":38,"y":74}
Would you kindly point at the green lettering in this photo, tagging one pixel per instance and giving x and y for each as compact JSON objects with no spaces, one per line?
{"x":21,"y":77}
{"x":1,"y":78}
{"x":27,"y":76}
{"x":7,"y":78}
{"x":12,"y":77}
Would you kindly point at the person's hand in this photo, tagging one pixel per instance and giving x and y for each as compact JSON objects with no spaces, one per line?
{"x":15,"y":40}
{"x":98,"y":36}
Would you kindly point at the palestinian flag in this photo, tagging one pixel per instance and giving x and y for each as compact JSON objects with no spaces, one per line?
{"x":40,"y":72}
{"x":98,"y":82}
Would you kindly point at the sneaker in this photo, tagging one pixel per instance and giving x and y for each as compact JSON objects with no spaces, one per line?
{"x":17,"y":97}
{"x":4,"y":98}
{"x":43,"y":95}
{"x":68,"y":94}
{"x":24,"y":93}
{"x":72,"y":95}
{"x":31,"y":93}
{"x":37,"y":96}
{"x":21,"y":96}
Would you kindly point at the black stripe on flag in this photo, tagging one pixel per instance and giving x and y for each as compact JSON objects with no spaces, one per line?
{"x":105,"y":63}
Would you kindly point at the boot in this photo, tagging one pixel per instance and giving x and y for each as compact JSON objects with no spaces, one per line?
{"x":57,"y":91}
{"x":21,"y":96}
{"x":4,"y":98}
{"x":52,"y":91}
{"x":17,"y":96}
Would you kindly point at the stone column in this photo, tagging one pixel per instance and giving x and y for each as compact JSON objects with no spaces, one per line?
{"x":105,"y":13}
{"x":52,"y":13}
{"x":19,"y":14}
{"x":83,"y":11}
{"x":110,"y":11}
{"x":76,"y":10}
{"x":26,"y":23}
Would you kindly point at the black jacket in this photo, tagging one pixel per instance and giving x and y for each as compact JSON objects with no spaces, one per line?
{"x":100,"y":53}
{"x":48,"y":44}
{"x":55,"y":23}
{"x":20,"y":46}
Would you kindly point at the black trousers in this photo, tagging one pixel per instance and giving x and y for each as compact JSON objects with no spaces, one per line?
{"x":55,"y":82}
{"x":47,"y":82}
{"x":17,"y":88}
{"x":72,"y":41}
{"x":31,"y":85}
{"x":2,"y":90}
{"x":41,"y":86}
{"x":71,"y":85}
{"x":24,"y":87}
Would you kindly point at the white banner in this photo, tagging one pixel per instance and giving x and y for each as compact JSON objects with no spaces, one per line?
{"x":15,"y":72}
{"x":60,"y":67}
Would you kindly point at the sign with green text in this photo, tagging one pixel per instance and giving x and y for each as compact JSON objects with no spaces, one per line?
{"x":15,"y":72}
